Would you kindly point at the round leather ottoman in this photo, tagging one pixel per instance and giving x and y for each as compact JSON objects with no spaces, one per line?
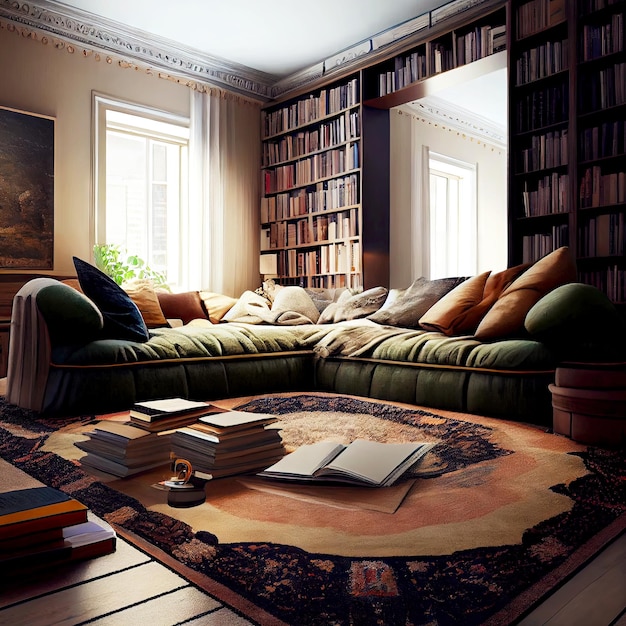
{"x":589,"y":403}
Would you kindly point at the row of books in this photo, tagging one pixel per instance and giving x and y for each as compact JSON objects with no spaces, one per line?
{"x":608,"y":139}
{"x":320,"y":229}
{"x":536,"y":15}
{"x":312,"y":169}
{"x":542,"y":61}
{"x":603,"y":235}
{"x":598,"y":189}
{"x":407,"y":70}
{"x":538,"y":245}
{"x":543,"y":107}
{"x":546,"y":151}
{"x":601,"y":39}
{"x":327,"y":135}
{"x":43,"y":527}
{"x":325,"y":195}
{"x":550,"y":195}
{"x":611,"y":281}
{"x":332,"y":281}
{"x":604,"y":89}
{"x":307,"y":110}
{"x":339,"y":258}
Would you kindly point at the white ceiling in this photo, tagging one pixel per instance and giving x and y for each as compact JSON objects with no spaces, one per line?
{"x":278,"y":37}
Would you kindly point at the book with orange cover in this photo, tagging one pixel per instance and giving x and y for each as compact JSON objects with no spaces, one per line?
{"x":26,"y":511}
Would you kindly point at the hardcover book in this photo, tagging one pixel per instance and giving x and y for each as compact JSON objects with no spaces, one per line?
{"x":27,"y":511}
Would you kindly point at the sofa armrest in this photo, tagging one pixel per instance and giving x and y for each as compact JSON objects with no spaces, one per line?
{"x":45,"y":311}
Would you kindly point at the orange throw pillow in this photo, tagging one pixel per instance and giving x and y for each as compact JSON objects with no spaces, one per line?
{"x":453,"y":313}
{"x":506,"y":317}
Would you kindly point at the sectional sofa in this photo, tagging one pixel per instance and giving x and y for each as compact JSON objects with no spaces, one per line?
{"x":486,"y":344}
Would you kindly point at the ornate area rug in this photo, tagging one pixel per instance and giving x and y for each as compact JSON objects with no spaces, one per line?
{"x":498,"y":515}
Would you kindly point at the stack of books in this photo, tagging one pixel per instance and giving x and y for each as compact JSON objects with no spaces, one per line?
{"x":142,"y":442}
{"x":229,"y":443}
{"x":42,"y":527}
{"x":122,"y":449}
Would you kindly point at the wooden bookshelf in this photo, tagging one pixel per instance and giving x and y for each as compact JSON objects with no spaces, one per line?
{"x":540,"y":155}
{"x":567,"y":143}
{"x":311,"y":210}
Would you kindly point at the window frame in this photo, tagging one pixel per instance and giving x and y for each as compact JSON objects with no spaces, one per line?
{"x":101,"y":104}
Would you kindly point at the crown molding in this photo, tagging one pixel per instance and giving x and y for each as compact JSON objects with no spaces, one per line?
{"x":79,"y":27}
{"x":457,"y":118}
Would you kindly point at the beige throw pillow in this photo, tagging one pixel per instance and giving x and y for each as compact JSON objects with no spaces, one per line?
{"x":217,"y":304}
{"x":142,"y":293}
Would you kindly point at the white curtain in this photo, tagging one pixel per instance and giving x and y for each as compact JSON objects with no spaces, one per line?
{"x":222,"y":242}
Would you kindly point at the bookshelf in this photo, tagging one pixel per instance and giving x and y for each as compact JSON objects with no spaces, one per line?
{"x":540,"y":160}
{"x":601,"y":130}
{"x":566,"y":136}
{"x":312,"y":222}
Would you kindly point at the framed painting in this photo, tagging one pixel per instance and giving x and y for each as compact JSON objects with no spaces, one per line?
{"x":26,"y":190}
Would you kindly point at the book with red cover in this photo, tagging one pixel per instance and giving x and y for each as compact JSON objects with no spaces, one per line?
{"x":79,"y":541}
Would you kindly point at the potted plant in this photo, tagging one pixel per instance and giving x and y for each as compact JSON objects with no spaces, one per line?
{"x":123,"y":267}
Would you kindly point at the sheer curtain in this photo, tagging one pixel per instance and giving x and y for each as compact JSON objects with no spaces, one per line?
{"x":221,"y":251}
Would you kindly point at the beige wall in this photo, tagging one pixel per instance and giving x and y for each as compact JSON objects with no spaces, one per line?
{"x":409,"y":133}
{"x":49,"y":81}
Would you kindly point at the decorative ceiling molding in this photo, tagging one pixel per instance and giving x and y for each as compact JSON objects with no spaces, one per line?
{"x":457,"y":118}
{"x":78,"y":27}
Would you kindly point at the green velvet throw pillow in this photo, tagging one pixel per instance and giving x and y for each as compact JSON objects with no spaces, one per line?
{"x":70,"y":316}
{"x":580,"y":322}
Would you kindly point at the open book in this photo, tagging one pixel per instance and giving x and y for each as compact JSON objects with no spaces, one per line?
{"x":362,"y":462}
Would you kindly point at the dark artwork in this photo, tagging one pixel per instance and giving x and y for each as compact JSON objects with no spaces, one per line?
{"x":26,"y":191}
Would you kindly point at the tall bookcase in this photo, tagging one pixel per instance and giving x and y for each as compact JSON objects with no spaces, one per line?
{"x":567,"y":143}
{"x":313,"y":229}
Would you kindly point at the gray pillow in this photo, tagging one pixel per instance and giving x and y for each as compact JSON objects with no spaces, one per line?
{"x":409,"y":306}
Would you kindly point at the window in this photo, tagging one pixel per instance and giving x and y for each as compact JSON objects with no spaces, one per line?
{"x":141,"y":174}
{"x":452,"y":187}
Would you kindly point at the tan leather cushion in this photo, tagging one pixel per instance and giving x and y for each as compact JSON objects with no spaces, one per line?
{"x":453,"y":314}
{"x":506,"y":317}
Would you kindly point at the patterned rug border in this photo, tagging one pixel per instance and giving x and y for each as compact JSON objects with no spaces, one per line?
{"x":600,"y":495}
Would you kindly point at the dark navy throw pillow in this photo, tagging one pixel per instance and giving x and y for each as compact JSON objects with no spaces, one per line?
{"x":122,"y":319}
